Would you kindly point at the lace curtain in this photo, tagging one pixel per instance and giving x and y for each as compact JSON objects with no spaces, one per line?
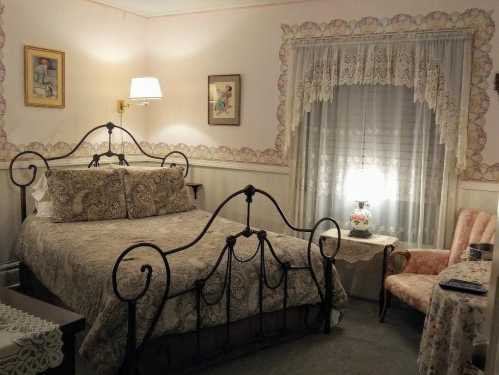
{"x":437,"y":66}
{"x":372,"y":143}
{"x":406,"y":98}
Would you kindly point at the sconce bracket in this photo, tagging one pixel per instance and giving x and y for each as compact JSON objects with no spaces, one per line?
{"x":122,"y":105}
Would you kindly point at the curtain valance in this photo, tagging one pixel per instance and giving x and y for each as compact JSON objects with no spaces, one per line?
{"x":437,"y":66}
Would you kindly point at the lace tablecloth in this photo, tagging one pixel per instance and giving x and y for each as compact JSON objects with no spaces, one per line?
{"x":455,"y":320}
{"x":355,"y":249}
{"x":28,"y":345}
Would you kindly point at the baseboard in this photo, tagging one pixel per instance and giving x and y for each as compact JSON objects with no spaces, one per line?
{"x":9,"y":274}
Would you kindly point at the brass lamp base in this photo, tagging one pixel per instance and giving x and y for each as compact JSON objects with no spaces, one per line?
{"x":360,"y":233}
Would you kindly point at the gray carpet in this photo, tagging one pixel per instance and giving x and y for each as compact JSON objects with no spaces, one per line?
{"x":360,"y":346}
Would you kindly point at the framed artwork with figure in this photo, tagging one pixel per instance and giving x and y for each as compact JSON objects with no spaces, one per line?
{"x":43,"y":77}
{"x":224,"y":99}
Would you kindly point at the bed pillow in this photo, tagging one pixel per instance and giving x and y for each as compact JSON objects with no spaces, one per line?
{"x":86,"y":194}
{"x":155,"y":191}
{"x":41,"y":196}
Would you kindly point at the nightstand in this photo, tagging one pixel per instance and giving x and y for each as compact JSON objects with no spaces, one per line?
{"x":361,"y":262}
{"x":68,"y":322}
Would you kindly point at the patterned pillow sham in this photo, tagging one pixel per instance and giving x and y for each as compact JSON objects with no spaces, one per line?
{"x":155,"y":191}
{"x":86,"y":194}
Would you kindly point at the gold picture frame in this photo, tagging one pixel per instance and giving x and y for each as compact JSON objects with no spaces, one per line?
{"x":224,"y":99}
{"x":44,"y":77}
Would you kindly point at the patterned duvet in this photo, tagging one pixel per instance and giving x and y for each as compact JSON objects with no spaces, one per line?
{"x":75,"y":260}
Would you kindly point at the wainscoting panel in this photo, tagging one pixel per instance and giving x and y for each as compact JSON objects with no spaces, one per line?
{"x":219,"y":180}
{"x":481,"y":195}
{"x":10,"y":217}
{"x":218,"y":183}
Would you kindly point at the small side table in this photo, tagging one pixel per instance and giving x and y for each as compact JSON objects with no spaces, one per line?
{"x":195,"y":187}
{"x":454,"y":321}
{"x":356,"y":259}
{"x":69,"y":323}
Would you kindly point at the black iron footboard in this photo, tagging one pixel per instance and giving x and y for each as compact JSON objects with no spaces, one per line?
{"x":264,"y":247}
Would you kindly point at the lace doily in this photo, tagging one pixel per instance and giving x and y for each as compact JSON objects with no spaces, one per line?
{"x":354,"y":249}
{"x":28,"y":345}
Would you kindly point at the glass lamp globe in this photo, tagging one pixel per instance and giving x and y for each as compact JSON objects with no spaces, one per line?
{"x":360,"y":220}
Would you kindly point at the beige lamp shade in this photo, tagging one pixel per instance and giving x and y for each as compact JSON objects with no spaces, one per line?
{"x":145,"y":89}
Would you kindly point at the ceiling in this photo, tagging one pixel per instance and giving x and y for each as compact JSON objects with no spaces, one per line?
{"x":155,"y":8}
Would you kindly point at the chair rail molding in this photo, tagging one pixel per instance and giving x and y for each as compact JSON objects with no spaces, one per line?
{"x":218,"y":164}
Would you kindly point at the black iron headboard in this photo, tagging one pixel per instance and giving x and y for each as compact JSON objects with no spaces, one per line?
{"x":93,"y":163}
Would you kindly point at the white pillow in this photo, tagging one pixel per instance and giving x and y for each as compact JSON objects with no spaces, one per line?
{"x":41,"y":195}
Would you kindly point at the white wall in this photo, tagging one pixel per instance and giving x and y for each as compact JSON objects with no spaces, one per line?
{"x":481,"y":195}
{"x":185,"y":49}
{"x":222,"y":179}
{"x":104,"y":48}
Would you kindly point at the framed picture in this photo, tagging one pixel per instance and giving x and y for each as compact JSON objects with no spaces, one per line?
{"x":43,"y":77}
{"x":224,"y":99}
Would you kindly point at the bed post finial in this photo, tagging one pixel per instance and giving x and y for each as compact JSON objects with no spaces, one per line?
{"x":249,"y":191}
{"x":110,"y":126}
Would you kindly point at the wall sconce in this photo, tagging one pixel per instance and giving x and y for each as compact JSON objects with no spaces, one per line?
{"x":142,"y":91}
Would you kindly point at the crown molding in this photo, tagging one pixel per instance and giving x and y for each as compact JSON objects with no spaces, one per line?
{"x":118,"y":9}
{"x":201,"y":9}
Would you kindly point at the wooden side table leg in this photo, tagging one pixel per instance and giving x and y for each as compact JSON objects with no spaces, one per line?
{"x":383,"y":305}
{"x":382,"y":295}
{"x":382,"y":286}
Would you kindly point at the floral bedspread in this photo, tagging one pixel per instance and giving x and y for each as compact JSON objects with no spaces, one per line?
{"x":75,"y":260}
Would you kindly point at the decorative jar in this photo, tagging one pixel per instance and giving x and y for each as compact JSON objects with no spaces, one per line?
{"x":360,"y":220}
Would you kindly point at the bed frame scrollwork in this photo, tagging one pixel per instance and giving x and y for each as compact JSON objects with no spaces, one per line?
{"x":30,"y":156}
{"x":228,"y":255}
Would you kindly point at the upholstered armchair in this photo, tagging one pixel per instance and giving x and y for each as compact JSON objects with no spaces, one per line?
{"x":419,"y":268}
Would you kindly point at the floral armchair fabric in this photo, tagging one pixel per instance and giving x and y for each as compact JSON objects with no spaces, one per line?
{"x":418,"y":274}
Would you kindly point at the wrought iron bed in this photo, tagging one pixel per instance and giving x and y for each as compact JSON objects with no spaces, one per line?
{"x":95,"y":162}
{"x":134,"y":347}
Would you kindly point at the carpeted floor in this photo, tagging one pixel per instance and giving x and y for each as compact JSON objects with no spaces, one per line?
{"x":360,"y":346}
